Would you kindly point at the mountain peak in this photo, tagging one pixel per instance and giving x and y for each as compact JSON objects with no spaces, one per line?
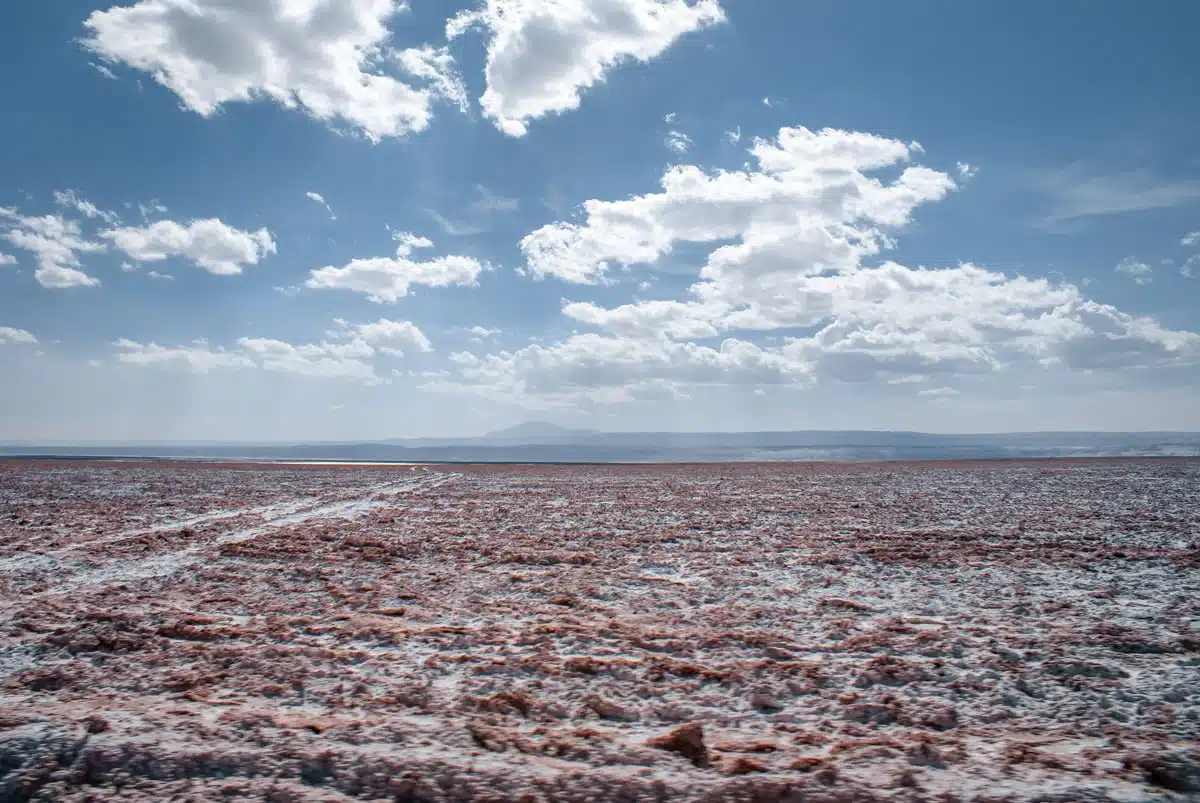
{"x":537,"y":429}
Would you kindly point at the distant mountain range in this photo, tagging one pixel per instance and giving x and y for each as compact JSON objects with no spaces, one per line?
{"x":543,"y":442}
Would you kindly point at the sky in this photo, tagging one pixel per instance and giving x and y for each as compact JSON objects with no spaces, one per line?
{"x":349,"y":219}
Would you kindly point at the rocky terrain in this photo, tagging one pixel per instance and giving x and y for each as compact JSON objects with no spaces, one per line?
{"x":1003,"y":631}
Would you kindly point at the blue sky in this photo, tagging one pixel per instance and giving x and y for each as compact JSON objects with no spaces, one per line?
{"x":623,"y":214}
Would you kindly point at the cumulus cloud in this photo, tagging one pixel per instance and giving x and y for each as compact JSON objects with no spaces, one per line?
{"x":20,"y":336}
{"x":58,"y":242}
{"x":409,"y":242}
{"x":793,"y":245}
{"x":478,"y":334}
{"x":7,"y":259}
{"x":55,"y":242}
{"x":809,"y":205}
{"x":542,"y":56}
{"x":209,"y":244}
{"x":388,"y":279}
{"x":317,"y":360}
{"x":198,"y":357}
{"x":1093,"y":336}
{"x":608,"y":369}
{"x":1190,"y":239}
{"x":1139,"y":271}
{"x":327,"y":58}
{"x":393,"y":338}
{"x":349,"y":352}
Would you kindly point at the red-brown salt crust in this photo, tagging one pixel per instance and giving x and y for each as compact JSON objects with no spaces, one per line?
{"x":1000,"y":631}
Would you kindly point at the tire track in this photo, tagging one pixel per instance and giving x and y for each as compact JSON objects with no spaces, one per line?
{"x":372,"y":498}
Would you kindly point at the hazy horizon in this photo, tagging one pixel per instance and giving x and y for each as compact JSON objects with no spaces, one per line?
{"x":516,"y":435}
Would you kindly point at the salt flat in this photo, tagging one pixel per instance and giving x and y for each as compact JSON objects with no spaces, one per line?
{"x":760,"y":632}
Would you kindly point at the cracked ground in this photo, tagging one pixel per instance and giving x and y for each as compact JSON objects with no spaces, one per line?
{"x":994,"y":631}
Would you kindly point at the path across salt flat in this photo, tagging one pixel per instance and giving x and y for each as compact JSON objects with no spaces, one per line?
{"x":1009,"y":631}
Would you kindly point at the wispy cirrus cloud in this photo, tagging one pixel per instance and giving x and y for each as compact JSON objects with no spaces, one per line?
{"x":477,"y":215}
{"x":1081,"y":191}
{"x":317,"y":197}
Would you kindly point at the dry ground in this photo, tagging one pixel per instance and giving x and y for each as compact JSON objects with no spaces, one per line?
{"x":1000,"y":631}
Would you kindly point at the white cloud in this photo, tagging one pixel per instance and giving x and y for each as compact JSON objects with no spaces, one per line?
{"x":209,"y":243}
{"x":809,"y":197}
{"x":11,"y":335}
{"x":542,"y":56}
{"x":669,"y":117}
{"x":1190,"y":239}
{"x":489,"y":201}
{"x":789,"y":240}
{"x":100,"y":68}
{"x":388,"y":279}
{"x":7,"y":259}
{"x":605,"y":369}
{"x":436,"y":66}
{"x":674,"y":319}
{"x":890,"y":323}
{"x":938,"y":393}
{"x":1080,"y":192}
{"x":56,"y":243}
{"x":478,"y":334}
{"x":317,"y":197}
{"x":325,"y":58}
{"x":321,"y":360}
{"x":1191,"y":268}
{"x":966,"y":171}
{"x":393,"y":338}
{"x":163,"y":277}
{"x":475,"y":217}
{"x":199,"y":357}
{"x":734,"y":136}
{"x":678,"y":142}
{"x":1096,"y":336}
{"x":349,"y":354}
{"x":151,"y":209}
{"x":409,"y":242}
{"x":1140,"y":272}
{"x":72,"y":200}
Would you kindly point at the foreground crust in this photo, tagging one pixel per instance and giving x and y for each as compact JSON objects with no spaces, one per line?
{"x":900,"y":632}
